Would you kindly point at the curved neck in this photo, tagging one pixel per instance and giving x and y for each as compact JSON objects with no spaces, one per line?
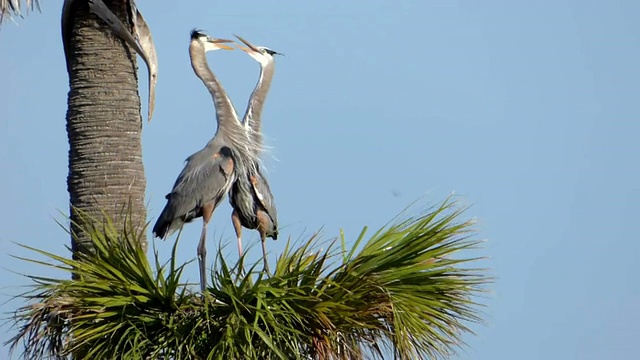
{"x":253,"y":115}
{"x":225,"y":113}
{"x":228,"y":124}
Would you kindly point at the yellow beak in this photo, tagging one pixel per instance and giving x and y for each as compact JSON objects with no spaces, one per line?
{"x":251,"y":47}
{"x":220,"y":43}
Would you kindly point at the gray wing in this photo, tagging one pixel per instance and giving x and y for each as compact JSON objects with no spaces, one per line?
{"x":262,"y":191}
{"x":206,"y":177}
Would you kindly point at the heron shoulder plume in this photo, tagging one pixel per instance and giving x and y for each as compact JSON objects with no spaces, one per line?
{"x":196,"y":33}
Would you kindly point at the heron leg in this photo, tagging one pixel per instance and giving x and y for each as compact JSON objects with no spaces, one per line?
{"x":207,"y":211}
{"x":237,"y":225}
{"x":263,"y":239}
{"x":263,"y":222}
{"x":202,"y":257}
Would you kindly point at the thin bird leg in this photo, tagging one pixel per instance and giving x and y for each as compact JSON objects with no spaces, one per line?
{"x":202,"y":257}
{"x":207,"y":211}
{"x":237,"y":225}
{"x":263,"y":238}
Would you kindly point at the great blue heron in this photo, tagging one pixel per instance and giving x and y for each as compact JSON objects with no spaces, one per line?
{"x":251,"y":197}
{"x":209,"y":173}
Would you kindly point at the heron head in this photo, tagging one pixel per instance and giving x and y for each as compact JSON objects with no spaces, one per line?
{"x":209,"y":43}
{"x":261,"y":54}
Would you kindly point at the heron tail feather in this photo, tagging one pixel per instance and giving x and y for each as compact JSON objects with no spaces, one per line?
{"x":167,"y":223}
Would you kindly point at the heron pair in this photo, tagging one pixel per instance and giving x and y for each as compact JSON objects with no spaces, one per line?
{"x":229,"y":163}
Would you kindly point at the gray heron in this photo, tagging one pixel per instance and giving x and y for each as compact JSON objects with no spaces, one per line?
{"x":250,"y":196}
{"x":208,"y":174}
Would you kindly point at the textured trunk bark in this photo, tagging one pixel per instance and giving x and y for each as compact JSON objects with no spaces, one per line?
{"x":104,"y":125}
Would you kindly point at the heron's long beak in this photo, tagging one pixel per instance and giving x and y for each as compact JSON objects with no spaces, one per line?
{"x":253,"y":48}
{"x":220,"y":43}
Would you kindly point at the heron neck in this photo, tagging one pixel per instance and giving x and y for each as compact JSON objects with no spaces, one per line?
{"x":253,"y":116}
{"x":228,"y":124}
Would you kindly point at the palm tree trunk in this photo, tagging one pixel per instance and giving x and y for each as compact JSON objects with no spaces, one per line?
{"x":104,"y":125}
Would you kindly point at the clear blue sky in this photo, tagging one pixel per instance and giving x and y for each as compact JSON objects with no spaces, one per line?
{"x":529,"y":112}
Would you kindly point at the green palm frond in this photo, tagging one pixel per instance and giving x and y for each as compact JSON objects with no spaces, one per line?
{"x":408,"y":291}
{"x":9,"y":8}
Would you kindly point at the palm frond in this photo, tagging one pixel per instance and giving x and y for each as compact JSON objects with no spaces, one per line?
{"x":409,"y":291}
{"x":10,"y":8}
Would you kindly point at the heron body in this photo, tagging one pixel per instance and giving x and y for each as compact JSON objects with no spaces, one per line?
{"x":251,"y":197}
{"x":208,"y":174}
{"x":254,"y":208}
{"x":205,"y":180}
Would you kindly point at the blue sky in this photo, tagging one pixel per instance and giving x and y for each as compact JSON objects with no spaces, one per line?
{"x":529,"y":112}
